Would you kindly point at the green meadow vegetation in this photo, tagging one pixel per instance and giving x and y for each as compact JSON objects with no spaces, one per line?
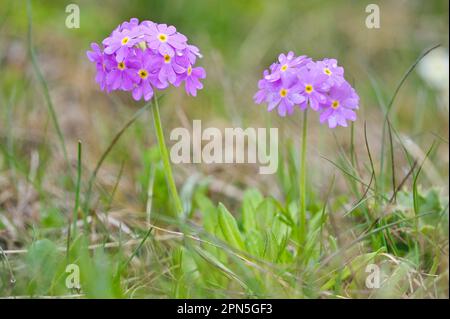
{"x":82,"y":181}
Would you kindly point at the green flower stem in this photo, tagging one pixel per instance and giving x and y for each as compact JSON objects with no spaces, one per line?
{"x":165,"y":157}
{"x":302,"y":182}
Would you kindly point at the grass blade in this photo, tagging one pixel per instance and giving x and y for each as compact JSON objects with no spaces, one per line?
{"x":107,"y":151}
{"x":44,"y":85}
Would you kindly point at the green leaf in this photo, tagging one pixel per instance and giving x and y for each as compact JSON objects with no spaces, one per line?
{"x":229,"y":228}
{"x":184,"y":272}
{"x":254,"y":241}
{"x":52,"y":218}
{"x":252,"y":198}
{"x":209,"y":213}
{"x":211,"y":259}
{"x":43,"y":261}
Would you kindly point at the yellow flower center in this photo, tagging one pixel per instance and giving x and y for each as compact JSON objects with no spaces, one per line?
{"x":284,"y":67}
{"x":283,"y":92}
{"x":125,"y":40}
{"x":162,"y":37}
{"x":167,"y":58}
{"x":143,"y":74}
{"x":189,"y":70}
{"x":121,"y":66}
{"x":335,"y":104}
{"x":308,"y":88}
{"x":327,"y":71}
{"x":142,"y":45}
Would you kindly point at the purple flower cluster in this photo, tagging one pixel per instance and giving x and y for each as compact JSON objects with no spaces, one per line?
{"x":300,"y":81}
{"x":140,"y":57}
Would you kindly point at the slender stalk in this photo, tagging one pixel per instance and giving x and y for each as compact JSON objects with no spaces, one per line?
{"x":165,"y":157}
{"x":151,"y":182}
{"x":352,"y":145}
{"x":106,"y":153}
{"x":302,"y":182}
{"x":77,"y":193}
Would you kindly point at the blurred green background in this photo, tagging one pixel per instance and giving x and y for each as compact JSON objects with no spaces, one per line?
{"x":238,"y":39}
